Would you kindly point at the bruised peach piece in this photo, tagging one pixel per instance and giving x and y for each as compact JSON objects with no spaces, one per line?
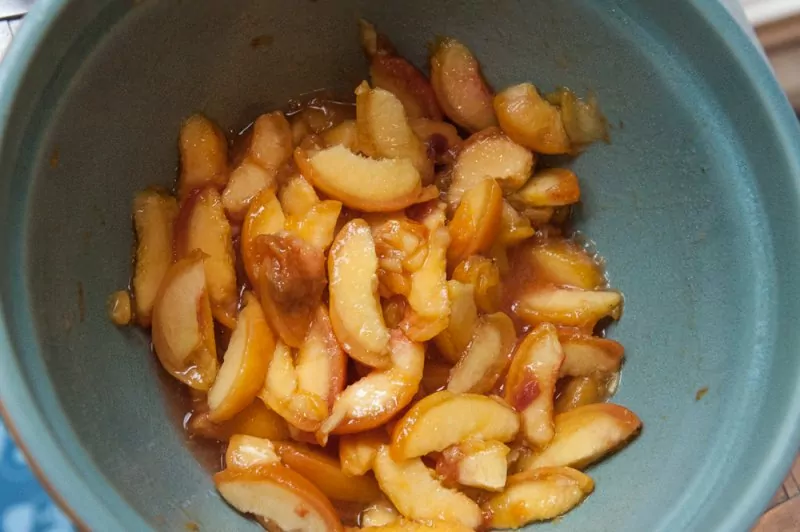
{"x":476,"y":221}
{"x":369,"y":185}
{"x":354,"y":306}
{"x":531,"y":121}
{"x":119,"y":307}
{"x":248,"y":451}
{"x":585,"y":355}
{"x":565,"y":263}
{"x":486,"y":357}
{"x":418,"y":494}
{"x":531,"y":382}
{"x":489,"y":154}
{"x":428,"y":298}
{"x":444,"y":419}
{"x":277,"y":494}
{"x":452,"y":341}
{"x":440,"y":138}
{"x":580,"y":391}
{"x":291,"y":282}
{"x":459,"y":86}
{"x":271,"y":143}
{"x":569,"y":307}
{"x":376,"y":398}
{"x":297,"y":196}
{"x":246,"y":183}
{"x":154,"y":214}
{"x":484,"y":275}
{"x":396,"y":75}
{"x":256,"y":420}
{"x":585,"y":435}
{"x":182,"y":327}
{"x":553,"y":187}
{"x":244,"y":367}
{"x":344,"y":134}
{"x":538,"y":495}
{"x":316,"y":226}
{"x":476,"y":463}
{"x":264,"y":217}
{"x":204,"y":155}
{"x":357,"y":451}
{"x":202,"y":225}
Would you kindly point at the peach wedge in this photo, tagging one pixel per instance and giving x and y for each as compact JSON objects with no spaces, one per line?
{"x":475,"y":463}
{"x":271,"y":142}
{"x":585,"y":355}
{"x":248,"y":451}
{"x":204,"y":155}
{"x":396,"y":75}
{"x":564,"y":263}
{"x":463,"y":318}
{"x":531,"y":121}
{"x":569,"y":307}
{"x":357,"y":451}
{"x":552,"y":187}
{"x":256,"y":419}
{"x":246,"y":182}
{"x":264,"y":217}
{"x":486,"y":356}
{"x":428,"y":296}
{"x":476,"y":221}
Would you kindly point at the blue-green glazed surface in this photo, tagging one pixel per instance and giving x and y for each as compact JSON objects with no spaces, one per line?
{"x":694,"y":204}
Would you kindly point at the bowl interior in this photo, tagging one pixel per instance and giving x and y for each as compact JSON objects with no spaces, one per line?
{"x":694,"y":205}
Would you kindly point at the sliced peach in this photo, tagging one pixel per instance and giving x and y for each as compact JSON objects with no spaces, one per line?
{"x":357,"y":451}
{"x":321,"y":363}
{"x":317,"y":226}
{"x":531,"y":121}
{"x":583,"y":120}
{"x":248,"y":451}
{"x":244,"y":367}
{"x":434,"y":376}
{"x":538,"y":495}
{"x":384,"y":131}
{"x":514,"y":227}
{"x":297,"y":196}
{"x":486,"y":357}
{"x":444,"y":419}
{"x":396,"y":75}
{"x":376,"y":398}
{"x":585,"y":355}
{"x":277,"y":494}
{"x":565,"y":263}
{"x":379,"y":514}
{"x":489,"y":154}
{"x":344,"y":134}
{"x":428,"y":298}
{"x":369,"y":185}
{"x":255,"y":420}
{"x":246,"y":183}
{"x":463,"y":318}
{"x":552,"y":187}
{"x":354,"y":306}
{"x":202,"y":225}
{"x":531,"y":382}
{"x":326,"y":473}
{"x":476,"y":221}
{"x":291,"y":282}
{"x":264,"y":217}
{"x":204,"y":155}
{"x":404,"y":525}
{"x":575,"y":392}
{"x":441,"y":138}
{"x":585,"y":435}
{"x":271,"y":143}
{"x":476,"y":463}
{"x":119,"y":307}
{"x":484,"y":275}
{"x":154,"y":214}
{"x":402,"y":247}
{"x":459,"y":86}
{"x":417,"y":494}
{"x":567,"y":307}
{"x":182,"y":327}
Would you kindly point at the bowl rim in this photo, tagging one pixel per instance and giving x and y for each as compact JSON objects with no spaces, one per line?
{"x":79,"y":499}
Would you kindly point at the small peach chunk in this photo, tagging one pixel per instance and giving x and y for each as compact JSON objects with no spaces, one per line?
{"x":246,"y":182}
{"x":428,"y":297}
{"x":204,"y":155}
{"x":271,"y":143}
{"x":484,"y":275}
{"x":248,"y":451}
{"x":552,"y":187}
{"x":344,"y":134}
{"x":119,"y":307}
{"x":476,"y":463}
{"x":317,"y":226}
{"x":486,"y":357}
{"x":357,"y":451}
{"x":297,"y":196}
{"x":463,"y":319}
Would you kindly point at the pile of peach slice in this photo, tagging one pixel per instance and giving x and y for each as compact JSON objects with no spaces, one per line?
{"x":378,"y":309}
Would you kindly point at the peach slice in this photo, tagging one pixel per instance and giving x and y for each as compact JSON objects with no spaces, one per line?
{"x":585,"y":435}
{"x":326,"y":473}
{"x":119,"y":308}
{"x":583,"y":120}
{"x":476,"y":463}
{"x":271,"y":143}
{"x":354,"y":306}
{"x":291,"y":282}
{"x":584,"y":355}
{"x":380,"y":514}
{"x":317,"y":226}
{"x":202,"y":225}
{"x":459,"y":86}
{"x":402,"y":247}
{"x":248,"y":451}
{"x":255,"y":420}
{"x":565,"y":263}
{"x":567,"y":307}
{"x":531,"y":382}
{"x":297,"y":196}
{"x":428,"y":297}
{"x":344,"y":134}
{"x":580,"y":391}
{"x":379,"y":396}
{"x":531,"y":121}
{"x":514,"y":227}
{"x":154,"y":214}
{"x":277,"y":494}
{"x":396,"y":75}
{"x":489,"y":154}
{"x":182,"y":327}
{"x":357,"y":451}
{"x":440,"y":138}
{"x":404,"y":525}
{"x":538,"y":495}
{"x":384,"y":131}
{"x":204,"y":155}
{"x":552,"y":187}
{"x":486,"y":357}
{"x":246,"y":182}
{"x":484,"y":275}
{"x":463,"y":320}
{"x":369,"y":185}
{"x":476,"y":221}
{"x":264,"y":217}
{"x":244,"y":367}
{"x":417,"y":494}
{"x":444,"y":419}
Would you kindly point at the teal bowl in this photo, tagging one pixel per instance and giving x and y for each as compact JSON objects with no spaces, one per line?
{"x":695,"y":204}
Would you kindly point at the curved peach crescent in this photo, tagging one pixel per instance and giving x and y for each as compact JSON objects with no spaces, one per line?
{"x":476,"y":222}
{"x":486,"y":357}
{"x":369,"y":185}
{"x":280,"y":495}
{"x":204,"y":155}
{"x":585,"y":355}
{"x":568,"y":307}
{"x":563,"y":263}
{"x":531,"y":121}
